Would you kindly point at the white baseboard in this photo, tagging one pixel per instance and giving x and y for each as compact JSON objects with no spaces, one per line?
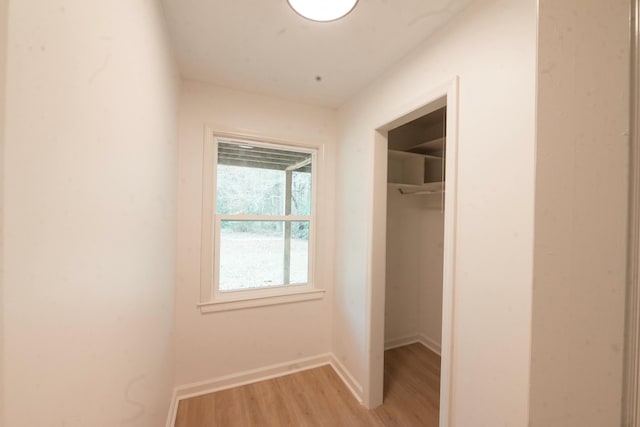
{"x":173,"y":410}
{"x":430,"y":343}
{"x":401,"y":342}
{"x":352,"y":384}
{"x":187,"y":391}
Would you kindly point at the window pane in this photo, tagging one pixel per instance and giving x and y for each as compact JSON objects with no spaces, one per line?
{"x":299,"y":252}
{"x":262,"y":254}
{"x":249,"y":191}
{"x":301,"y":193}
{"x":255,"y":180}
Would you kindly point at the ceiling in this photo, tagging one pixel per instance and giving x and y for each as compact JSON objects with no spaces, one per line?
{"x":263,"y":46}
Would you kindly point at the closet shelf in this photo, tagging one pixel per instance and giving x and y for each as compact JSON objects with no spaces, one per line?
{"x":429,"y":147}
{"x":408,"y":189}
{"x":395,"y":154}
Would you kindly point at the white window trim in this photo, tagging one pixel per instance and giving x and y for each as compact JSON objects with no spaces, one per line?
{"x":211,"y":299}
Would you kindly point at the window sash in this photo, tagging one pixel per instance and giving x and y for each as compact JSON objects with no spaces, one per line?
{"x":215,"y":295}
{"x":230,"y":294}
{"x":242,"y":217}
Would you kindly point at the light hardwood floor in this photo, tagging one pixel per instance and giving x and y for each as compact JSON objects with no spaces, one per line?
{"x":317,"y":397}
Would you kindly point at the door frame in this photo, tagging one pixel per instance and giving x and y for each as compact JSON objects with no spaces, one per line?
{"x":631,"y":405}
{"x":421,"y":105}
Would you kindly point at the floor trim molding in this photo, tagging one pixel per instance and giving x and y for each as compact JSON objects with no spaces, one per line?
{"x":401,"y":342}
{"x":430,"y":343}
{"x":200,"y":388}
{"x":345,"y":375}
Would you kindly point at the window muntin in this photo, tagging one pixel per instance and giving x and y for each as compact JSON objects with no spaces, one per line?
{"x":263,"y":220}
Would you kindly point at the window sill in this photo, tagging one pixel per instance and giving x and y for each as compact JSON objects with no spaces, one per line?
{"x":238,"y":304}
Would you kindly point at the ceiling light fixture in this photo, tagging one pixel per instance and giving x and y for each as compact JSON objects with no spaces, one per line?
{"x":322,"y":10}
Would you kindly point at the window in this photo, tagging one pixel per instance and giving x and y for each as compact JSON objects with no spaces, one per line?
{"x":258,"y":223}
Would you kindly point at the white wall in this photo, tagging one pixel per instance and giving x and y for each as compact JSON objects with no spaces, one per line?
{"x":492,"y":47}
{"x":430,"y":297}
{"x":3,"y":65}
{"x":404,"y":265}
{"x":217,"y":344}
{"x":581,"y":208}
{"x":89,"y":199}
{"x":415,"y":233}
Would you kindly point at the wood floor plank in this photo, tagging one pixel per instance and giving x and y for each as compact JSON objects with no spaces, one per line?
{"x":314,"y":393}
{"x":403,"y":368}
{"x":266,"y":405}
{"x":412,"y":384}
{"x":318,"y":397}
{"x":296,"y":403}
{"x":198,"y":410}
{"x":230,"y":408}
{"x":341,"y":401}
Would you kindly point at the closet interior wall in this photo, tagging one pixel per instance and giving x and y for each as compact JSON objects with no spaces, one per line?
{"x":415,"y":233}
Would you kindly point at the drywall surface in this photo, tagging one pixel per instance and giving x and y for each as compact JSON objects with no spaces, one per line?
{"x":404,"y":259}
{"x":415,"y":233}
{"x":3,"y":67}
{"x":491,"y":46}
{"x":226,"y":343}
{"x":414,"y":250}
{"x":430,"y":296}
{"x":89,"y":200}
{"x":580,"y":216}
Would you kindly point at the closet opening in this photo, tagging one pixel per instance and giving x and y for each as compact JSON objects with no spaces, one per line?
{"x":414,"y":265}
{"x":412,"y":258}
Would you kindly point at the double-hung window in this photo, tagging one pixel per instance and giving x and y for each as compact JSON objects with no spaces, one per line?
{"x":258,"y":223}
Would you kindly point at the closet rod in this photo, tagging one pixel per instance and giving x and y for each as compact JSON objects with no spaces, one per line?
{"x":419,"y":192}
